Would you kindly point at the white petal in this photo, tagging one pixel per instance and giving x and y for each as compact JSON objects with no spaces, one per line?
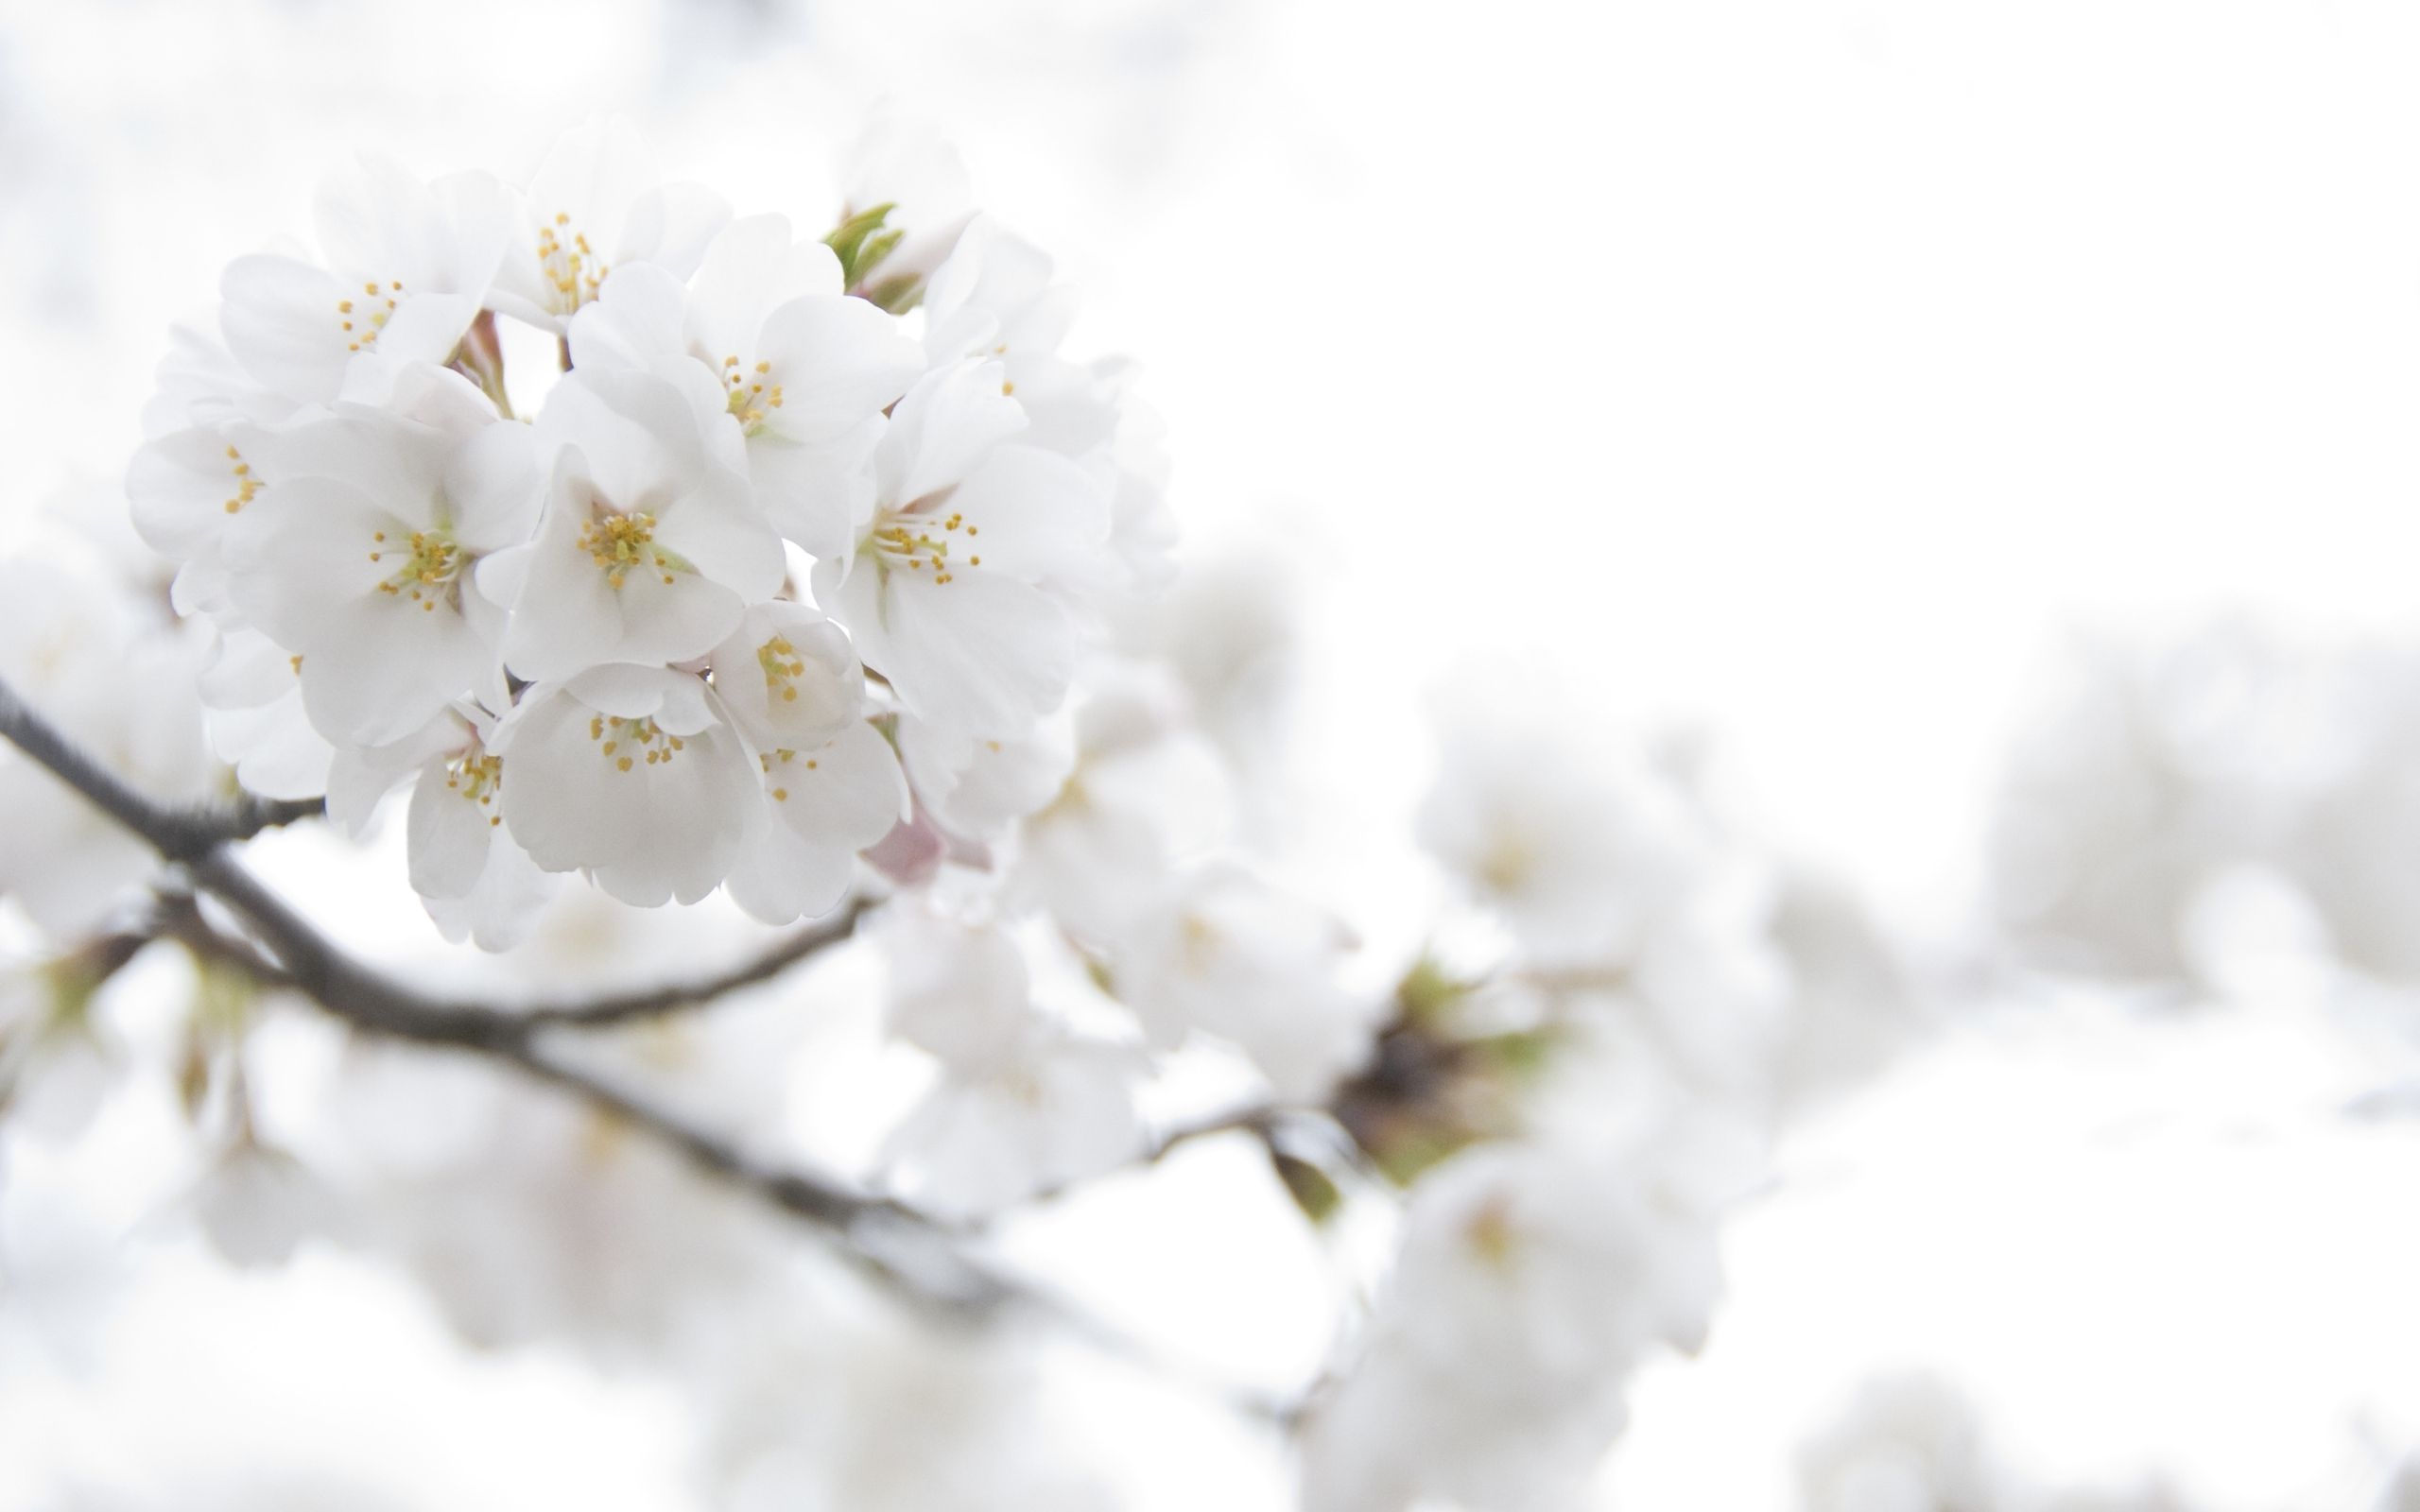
{"x":449,"y":835}
{"x":839,"y":360}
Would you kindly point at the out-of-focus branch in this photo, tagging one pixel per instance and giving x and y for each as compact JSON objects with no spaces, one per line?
{"x":655,"y":1003}
{"x":249,"y":815}
{"x":925,"y":1260}
{"x":299,"y":958}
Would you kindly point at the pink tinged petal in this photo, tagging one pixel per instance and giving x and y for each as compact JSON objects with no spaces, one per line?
{"x":839,"y":360}
{"x":911,"y":854}
{"x":449,"y":833}
{"x":1038,"y":512}
{"x":941,"y":429}
{"x":283,"y":324}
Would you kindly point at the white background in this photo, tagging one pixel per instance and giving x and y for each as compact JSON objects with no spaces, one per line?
{"x":1798,"y":370}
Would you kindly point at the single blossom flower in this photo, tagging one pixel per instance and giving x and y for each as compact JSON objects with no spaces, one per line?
{"x":407,"y":267}
{"x":951,"y":589}
{"x":633,"y":775}
{"x":994,"y":301}
{"x":649,"y":546}
{"x":832,"y":783}
{"x":360,"y":558}
{"x":594,"y":207}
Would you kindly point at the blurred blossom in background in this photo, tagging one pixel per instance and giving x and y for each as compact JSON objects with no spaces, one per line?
{"x":1793,"y":650}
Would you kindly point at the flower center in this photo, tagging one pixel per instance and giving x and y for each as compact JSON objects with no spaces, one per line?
{"x":246,"y":485}
{"x":784,"y":757}
{"x":617,"y":542}
{"x":1492,"y":1235}
{"x":362,"y":317}
{"x":478,"y":778}
{"x":917,"y":539}
{"x":782,"y":667}
{"x":750,"y":394}
{"x":619,"y":740}
{"x":433,"y":563}
{"x":573,"y":271}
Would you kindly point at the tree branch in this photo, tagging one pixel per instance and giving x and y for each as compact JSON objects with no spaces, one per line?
{"x":655,"y":1003}
{"x":303,"y":960}
{"x":922,"y":1259}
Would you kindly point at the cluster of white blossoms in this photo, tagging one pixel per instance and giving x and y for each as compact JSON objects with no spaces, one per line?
{"x":1575,"y":1102}
{"x":2184,"y":800}
{"x":688,"y":552}
{"x":780,"y":563}
{"x":810,"y":526}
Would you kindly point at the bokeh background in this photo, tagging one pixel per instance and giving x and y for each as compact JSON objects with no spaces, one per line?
{"x":1985,"y":432}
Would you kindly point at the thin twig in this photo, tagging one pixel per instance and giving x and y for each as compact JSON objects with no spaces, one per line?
{"x":249,"y":815}
{"x":655,"y":1003}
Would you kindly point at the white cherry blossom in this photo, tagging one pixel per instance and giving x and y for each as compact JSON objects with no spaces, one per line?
{"x":994,"y":301}
{"x":902,"y":164}
{"x":251,"y":688}
{"x":77,"y":646}
{"x":407,"y":267}
{"x":1022,"y":1101}
{"x":650,"y":546}
{"x":1146,"y":797}
{"x":360,"y":558}
{"x":805,"y":371}
{"x":950,"y":590}
{"x":789,"y":681}
{"x":1229,"y":956}
{"x":594,"y":206}
{"x":1580,"y":859}
{"x":632,"y":775}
